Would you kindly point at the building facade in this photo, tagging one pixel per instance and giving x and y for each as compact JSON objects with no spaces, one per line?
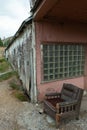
{"x":55,"y":49}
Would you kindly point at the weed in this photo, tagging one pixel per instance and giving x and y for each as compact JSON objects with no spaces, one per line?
{"x":18,"y":90}
{"x":7,"y":75}
{"x":20,"y":96}
{"x":4,"y":65}
{"x":16,"y":86}
{"x":2,"y":60}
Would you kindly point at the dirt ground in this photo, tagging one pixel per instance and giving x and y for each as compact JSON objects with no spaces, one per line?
{"x":17,"y":115}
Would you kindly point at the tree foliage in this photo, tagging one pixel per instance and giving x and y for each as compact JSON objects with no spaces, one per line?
{"x":1,"y":43}
{"x":6,"y":42}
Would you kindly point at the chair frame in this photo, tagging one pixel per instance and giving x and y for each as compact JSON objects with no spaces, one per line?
{"x":59,"y":108}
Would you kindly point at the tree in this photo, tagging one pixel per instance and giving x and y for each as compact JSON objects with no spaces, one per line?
{"x":1,"y":42}
{"x":6,"y":42}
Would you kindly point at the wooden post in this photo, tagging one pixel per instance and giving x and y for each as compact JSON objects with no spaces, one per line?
{"x":57,"y":115}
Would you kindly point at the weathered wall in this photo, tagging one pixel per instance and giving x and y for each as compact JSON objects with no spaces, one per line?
{"x":19,"y":55}
{"x":54,"y":32}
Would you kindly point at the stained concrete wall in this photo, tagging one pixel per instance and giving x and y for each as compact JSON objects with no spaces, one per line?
{"x":19,"y":55}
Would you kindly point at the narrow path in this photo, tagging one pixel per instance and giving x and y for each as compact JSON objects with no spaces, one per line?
{"x":9,"y":107}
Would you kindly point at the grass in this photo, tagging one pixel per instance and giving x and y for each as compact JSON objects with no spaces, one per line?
{"x":18,"y":90}
{"x":4,"y":65}
{"x":14,"y":83}
{"x":21,"y":96}
{"x":14,"y":86}
{"x":2,"y":60}
{"x":7,"y":76}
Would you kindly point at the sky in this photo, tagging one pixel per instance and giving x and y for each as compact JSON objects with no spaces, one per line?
{"x":12,"y":14}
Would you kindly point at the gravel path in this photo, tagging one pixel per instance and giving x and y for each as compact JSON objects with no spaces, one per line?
{"x":16,"y":115}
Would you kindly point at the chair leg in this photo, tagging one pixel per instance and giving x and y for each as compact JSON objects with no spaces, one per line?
{"x":57,"y":120}
{"x":77,"y":118}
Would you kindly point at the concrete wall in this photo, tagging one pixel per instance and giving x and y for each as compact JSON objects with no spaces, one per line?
{"x":19,"y":55}
{"x":63,"y":33}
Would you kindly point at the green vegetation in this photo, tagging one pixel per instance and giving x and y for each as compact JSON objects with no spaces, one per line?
{"x":21,"y":96}
{"x":18,"y":90}
{"x":6,"y":41}
{"x":2,"y":60}
{"x":14,"y":85}
{"x":4,"y":65}
{"x":14,"y":82}
{"x":1,"y":43}
{"x":7,"y":75}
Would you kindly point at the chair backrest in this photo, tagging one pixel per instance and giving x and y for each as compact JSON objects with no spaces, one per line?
{"x":71,"y":92}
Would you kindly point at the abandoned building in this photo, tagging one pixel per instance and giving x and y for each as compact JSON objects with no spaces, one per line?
{"x":50,"y":47}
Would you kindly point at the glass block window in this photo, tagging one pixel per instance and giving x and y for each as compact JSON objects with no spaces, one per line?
{"x":62,"y":61}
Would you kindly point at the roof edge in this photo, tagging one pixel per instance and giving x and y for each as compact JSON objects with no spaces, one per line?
{"x":26,"y":21}
{"x":37,"y":3}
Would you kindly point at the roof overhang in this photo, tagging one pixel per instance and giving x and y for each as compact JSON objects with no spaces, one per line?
{"x":62,"y":10}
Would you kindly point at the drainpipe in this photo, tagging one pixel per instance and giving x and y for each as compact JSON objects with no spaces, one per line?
{"x":33,"y":82}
